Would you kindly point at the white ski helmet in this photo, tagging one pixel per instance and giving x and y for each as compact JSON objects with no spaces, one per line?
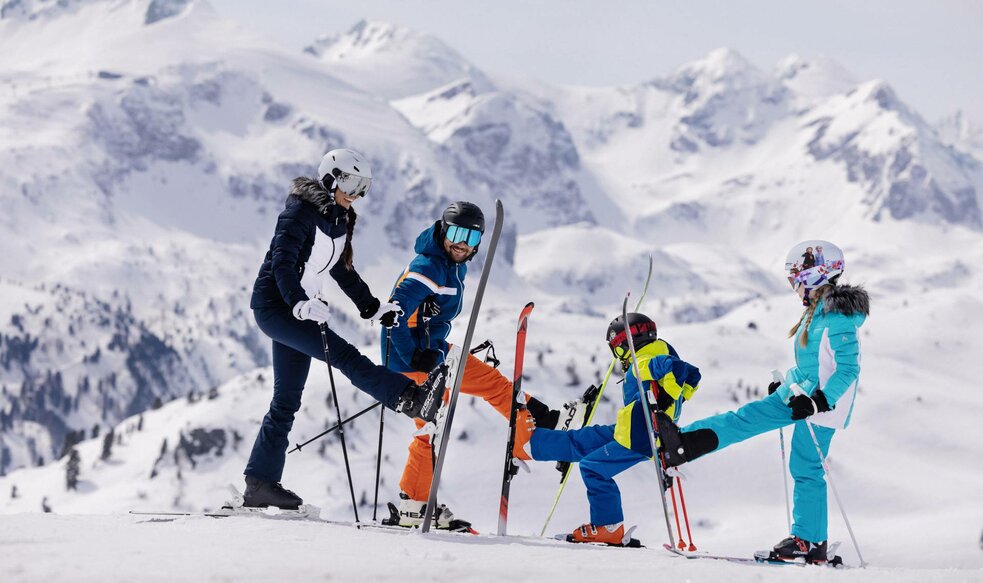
{"x":345,"y":169}
{"x":813,"y":264}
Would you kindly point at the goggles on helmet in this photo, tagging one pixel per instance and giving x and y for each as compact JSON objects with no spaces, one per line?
{"x":352,"y":184}
{"x":619,"y":343}
{"x":456,"y":234}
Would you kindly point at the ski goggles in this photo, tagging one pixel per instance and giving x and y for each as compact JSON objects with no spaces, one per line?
{"x":353,"y":184}
{"x":456,"y":234}
{"x":619,"y":343}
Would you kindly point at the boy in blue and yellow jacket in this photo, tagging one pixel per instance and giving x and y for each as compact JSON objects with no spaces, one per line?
{"x":605,"y":451}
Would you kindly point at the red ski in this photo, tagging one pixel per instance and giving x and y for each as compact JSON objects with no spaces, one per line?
{"x":517,"y":404}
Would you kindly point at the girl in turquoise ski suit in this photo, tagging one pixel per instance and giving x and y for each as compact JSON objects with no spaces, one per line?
{"x":827,"y":367}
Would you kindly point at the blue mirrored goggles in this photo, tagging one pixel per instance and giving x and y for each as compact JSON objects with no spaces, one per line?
{"x":456,"y":234}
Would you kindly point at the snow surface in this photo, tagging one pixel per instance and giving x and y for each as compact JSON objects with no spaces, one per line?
{"x":130,"y":548}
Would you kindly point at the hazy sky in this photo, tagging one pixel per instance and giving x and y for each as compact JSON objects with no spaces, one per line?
{"x":931,"y":52}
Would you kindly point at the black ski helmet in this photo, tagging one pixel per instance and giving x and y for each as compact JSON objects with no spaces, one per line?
{"x":463,"y":214}
{"x":643,"y":332}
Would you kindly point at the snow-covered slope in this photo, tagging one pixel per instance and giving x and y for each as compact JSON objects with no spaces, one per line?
{"x":124,"y":548}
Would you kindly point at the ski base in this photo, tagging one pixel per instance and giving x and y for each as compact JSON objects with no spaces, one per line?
{"x":759,"y":558}
{"x":304,"y":512}
{"x":633,"y":543}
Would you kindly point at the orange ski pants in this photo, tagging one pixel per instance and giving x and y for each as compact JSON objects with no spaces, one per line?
{"x":480,"y":380}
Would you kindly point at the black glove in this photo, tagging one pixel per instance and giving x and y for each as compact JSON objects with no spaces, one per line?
{"x":664,"y":400}
{"x":802,"y":406}
{"x":429,"y":308}
{"x":388,"y":320}
{"x":370,"y":309}
{"x":425,"y":360}
{"x":773,"y":386}
{"x":667,"y":483}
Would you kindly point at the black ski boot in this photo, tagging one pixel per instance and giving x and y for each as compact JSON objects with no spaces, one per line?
{"x":544,"y":417}
{"x":793,"y":548}
{"x":424,"y":400}
{"x":260,"y":494}
{"x":678,"y":447}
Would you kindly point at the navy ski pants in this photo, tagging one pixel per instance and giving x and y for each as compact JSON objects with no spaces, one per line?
{"x":295,"y":342}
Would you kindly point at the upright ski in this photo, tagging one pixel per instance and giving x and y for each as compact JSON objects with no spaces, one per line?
{"x":565,"y":470}
{"x":518,"y":402}
{"x":465,"y":350}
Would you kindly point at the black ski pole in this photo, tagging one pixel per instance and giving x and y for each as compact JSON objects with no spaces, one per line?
{"x":382,"y":413}
{"x":341,"y":423}
{"x":335,"y":427}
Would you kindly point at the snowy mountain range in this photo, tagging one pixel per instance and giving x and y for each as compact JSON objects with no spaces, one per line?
{"x":146,"y":147}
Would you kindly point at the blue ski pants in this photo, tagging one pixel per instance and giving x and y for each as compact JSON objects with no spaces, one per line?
{"x":809,"y":512}
{"x":601,"y":458}
{"x":295,"y":342}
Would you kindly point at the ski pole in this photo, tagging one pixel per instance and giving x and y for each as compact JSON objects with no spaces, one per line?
{"x":777,"y":376}
{"x":682,"y":502}
{"x":796,"y":389}
{"x":341,"y":423}
{"x":675,"y":512}
{"x":378,"y":454}
{"x":334,"y":427}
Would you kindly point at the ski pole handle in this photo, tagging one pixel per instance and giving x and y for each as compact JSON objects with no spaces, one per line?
{"x":796,"y":389}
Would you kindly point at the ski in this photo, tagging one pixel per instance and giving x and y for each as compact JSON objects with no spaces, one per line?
{"x":759,"y":558}
{"x":465,"y":350}
{"x":518,"y":402}
{"x":649,"y":418}
{"x":455,"y":525}
{"x":628,"y":542}
{"x":590,"y":415}
{"x":633,"y":543}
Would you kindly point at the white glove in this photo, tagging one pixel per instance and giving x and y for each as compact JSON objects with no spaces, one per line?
{"x":388,"y":314}
{"x":315,"y":310}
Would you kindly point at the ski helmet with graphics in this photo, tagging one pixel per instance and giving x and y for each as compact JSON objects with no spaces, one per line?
{"x":642,"y":329}
{"x":812,"y":264}
{"x":463,"y":222}
{"x":345,"y":169}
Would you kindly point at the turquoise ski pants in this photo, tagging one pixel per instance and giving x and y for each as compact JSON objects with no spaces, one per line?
{"x":809,"y":511}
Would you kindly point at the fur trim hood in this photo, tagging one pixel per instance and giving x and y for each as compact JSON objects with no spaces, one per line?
{"x":310,"y":190}
{"x":847,"y":300}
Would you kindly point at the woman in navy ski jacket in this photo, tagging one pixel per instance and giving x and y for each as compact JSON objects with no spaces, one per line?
{"x":311,"y":245}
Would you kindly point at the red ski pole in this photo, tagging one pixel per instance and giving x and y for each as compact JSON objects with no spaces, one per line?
{"x":675,"y":510}
{"x":682,"y":502}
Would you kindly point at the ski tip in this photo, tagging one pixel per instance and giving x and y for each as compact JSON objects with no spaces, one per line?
{"x":530,"y":305}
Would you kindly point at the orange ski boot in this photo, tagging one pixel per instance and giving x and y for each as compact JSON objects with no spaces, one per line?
{"x":612,"y":535}
{"x":524,"y":426}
